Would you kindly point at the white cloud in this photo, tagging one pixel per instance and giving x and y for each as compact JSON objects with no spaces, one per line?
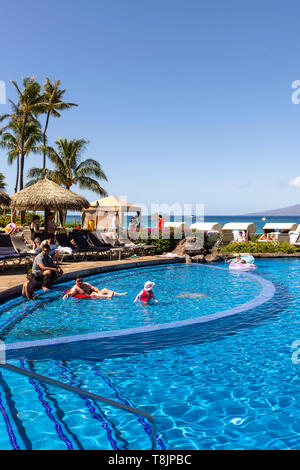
{"x":295,"y":182}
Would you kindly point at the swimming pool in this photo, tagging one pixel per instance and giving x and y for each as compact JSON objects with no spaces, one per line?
{"x":227,"y":384}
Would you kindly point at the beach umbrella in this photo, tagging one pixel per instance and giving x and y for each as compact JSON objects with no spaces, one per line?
{"x":47,"y":196}
{"x":4,"y":200}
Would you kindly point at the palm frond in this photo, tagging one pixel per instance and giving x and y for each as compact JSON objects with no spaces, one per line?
{"x":89,"y":183}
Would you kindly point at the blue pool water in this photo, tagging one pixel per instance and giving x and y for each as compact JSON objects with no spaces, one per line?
{"x":183,"y":292}
{"x":235,"y":389}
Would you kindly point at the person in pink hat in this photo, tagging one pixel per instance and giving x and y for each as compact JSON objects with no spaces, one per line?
{"x":146,"y":294}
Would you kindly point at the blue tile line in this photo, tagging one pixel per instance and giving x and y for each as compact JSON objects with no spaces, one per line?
{"x":266,"y":294}
{"x":14,"y":412}
{"x":146,"y":426}
{"x":48,"y":410}
{"x":91,"y":408}
{"x":10,"y":431}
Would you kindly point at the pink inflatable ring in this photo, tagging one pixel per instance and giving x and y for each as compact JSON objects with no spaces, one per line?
{"x":242,"y":266}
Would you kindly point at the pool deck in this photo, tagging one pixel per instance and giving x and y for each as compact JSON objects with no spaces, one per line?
{"x":11,"y":283}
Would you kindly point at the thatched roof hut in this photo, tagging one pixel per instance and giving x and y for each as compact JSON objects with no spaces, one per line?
{"x":48,"y":196}
{"x":4,"y":200}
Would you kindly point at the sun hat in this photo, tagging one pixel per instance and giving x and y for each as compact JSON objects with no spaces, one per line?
{"x":149,"y":285}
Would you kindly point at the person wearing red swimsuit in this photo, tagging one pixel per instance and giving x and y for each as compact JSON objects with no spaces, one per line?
{"x":160,"y":222}
{"x":146,"y":294}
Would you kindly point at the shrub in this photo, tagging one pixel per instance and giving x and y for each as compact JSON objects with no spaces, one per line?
{"x":162,"y":240}
{"x":262,"y":247}
{"x":71,"y":225}
{"x":5,"y":219}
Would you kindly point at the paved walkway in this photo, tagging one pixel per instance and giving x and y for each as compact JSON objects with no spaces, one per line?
{"x":11,"y":282}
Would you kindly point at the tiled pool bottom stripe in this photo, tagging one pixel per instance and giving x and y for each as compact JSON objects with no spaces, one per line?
{"x":266,"y":294}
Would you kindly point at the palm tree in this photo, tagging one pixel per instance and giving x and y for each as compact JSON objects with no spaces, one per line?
{"x":2,"y":184}
{"x":69,"y":169}
{"x":11,"y":141}
{"x":14,"y":115}
{"x":29,"y":106}
{"x":52,"y":103}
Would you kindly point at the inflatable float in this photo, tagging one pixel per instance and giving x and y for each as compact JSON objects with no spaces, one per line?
{"x":249,"y":259}
{"x":242,"y":266}
{"x":79,"y":296}
{"x":10,"y":228}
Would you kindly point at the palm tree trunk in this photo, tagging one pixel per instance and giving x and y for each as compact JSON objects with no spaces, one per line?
{"x":13,"y":215}
{"x":46,"y":219}
{"x":22,"y":154}
{"x":18,"y":172}
{"x":44,"y":142}
{"x":62,"y":217}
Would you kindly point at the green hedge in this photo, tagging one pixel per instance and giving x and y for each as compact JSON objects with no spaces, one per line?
{"x":261,"y":247}
{"x":5,"y":220}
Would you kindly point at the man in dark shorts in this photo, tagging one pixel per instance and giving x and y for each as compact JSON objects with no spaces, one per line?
{"x":44,"y":270}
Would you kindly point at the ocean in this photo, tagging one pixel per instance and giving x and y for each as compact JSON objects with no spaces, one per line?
{"x":221,"y":219}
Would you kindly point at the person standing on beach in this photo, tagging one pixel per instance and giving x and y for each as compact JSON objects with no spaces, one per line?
{"x":160,"y":222}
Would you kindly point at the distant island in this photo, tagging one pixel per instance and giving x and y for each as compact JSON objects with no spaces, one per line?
{"x":285,"y":211}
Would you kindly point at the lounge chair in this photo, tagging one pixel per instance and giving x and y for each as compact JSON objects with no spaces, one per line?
{"x":8,"y":254}
{"x":82,"y":242}
{"x":94,"y":240}
{"x":19,"y":244}
{"x":64,"y":241}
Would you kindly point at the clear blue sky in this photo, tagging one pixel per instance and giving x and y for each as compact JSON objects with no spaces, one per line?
{"x":182,"y":100}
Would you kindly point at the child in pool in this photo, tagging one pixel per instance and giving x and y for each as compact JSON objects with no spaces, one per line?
{"x":27,"y":289}
{"x":146,"y":294}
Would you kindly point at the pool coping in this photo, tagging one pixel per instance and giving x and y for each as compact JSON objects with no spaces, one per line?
{"x":267,"y":292}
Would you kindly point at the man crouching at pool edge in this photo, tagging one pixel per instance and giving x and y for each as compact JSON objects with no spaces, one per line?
{"x":44,"y":270}
{"x":84,"y":288}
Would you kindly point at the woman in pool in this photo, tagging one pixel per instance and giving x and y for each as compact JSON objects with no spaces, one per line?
{"x":146,"y":294}
{"x":237,"y":259}
{"x":84,"y":288}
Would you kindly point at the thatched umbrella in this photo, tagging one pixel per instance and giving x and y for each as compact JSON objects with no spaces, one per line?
{"x":47,"y":195}
{"x":4,"y":200}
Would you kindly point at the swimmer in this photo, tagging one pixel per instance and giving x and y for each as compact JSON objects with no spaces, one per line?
{"x":237,"y":259}
{"x":84,"y":288}
{"x":27,"y":289}
{"x":146,"y":294}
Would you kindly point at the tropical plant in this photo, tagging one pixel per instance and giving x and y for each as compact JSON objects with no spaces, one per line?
{"x":2,"y":183}
{"x":11,"y":141}
{"x":51,"y":105}
{"x":29,"y":106}
{"x":259,"y":247}
{"x":69,"y":169}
